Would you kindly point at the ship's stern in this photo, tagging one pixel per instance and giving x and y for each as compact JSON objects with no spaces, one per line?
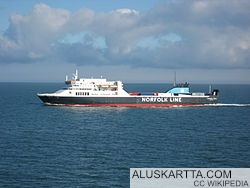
{"x":214,"y":96}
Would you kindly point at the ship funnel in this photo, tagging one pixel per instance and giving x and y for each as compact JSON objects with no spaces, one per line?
{"x":215,"y":92}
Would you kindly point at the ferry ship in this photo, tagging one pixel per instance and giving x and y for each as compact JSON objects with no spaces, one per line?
{"x":101,"y":92}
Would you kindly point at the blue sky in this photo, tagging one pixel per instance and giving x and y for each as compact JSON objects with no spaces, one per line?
{"x":204,"y":41}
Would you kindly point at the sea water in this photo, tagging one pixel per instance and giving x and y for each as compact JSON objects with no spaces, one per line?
{"x":55,"y":146}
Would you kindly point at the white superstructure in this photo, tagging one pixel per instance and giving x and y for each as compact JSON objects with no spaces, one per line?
{"x":91,"y":87}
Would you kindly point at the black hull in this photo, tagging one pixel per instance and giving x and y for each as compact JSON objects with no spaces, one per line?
{"x":128,"y":101}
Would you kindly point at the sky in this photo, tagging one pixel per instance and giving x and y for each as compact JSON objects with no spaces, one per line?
{"x":203,"y":41}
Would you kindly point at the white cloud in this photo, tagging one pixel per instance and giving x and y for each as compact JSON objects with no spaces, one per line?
{"x":199,"y":34}
{"x":126,"y":11}
{"x":32,"y":35}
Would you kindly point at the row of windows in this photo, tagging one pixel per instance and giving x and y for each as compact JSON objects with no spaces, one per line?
{"x":79,"y":88}
{"x":82,"y":93}
{"x":70,"y":88}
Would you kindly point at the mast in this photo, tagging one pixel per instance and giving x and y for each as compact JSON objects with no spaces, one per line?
{"x":75,"y":75}
{"x":174,"y":78}
{"x":210,"y":89}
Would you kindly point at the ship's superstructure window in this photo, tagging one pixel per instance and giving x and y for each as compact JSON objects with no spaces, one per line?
{"x":82,"y":93}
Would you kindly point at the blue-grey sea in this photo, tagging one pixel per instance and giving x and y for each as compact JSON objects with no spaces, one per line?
{"x":55,"y":146}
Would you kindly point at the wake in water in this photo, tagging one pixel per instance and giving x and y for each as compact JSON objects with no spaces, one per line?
{"x":229,"y":105}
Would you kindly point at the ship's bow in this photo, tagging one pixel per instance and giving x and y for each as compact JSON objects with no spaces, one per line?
{"x":44,"y":98}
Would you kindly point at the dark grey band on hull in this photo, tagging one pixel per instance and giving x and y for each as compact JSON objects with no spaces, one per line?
{"x":129,"y":100}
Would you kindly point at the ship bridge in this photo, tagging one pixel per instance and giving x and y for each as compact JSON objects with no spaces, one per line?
{"x":182,"y":88}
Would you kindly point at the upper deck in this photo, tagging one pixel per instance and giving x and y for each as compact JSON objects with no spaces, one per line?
{"x":93,"y":86}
